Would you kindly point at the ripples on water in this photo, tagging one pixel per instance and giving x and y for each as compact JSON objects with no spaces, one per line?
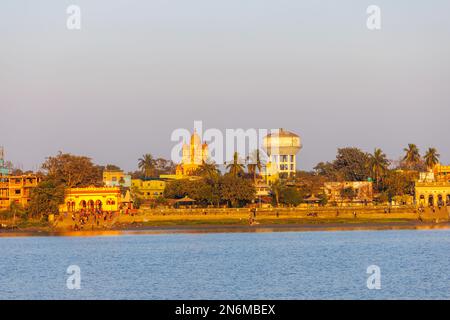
{"x":291,"y":265}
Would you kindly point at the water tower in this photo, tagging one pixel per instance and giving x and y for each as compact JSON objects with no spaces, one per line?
{"x":282,"y":147}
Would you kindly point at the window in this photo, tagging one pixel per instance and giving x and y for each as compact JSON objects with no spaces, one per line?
{"x":17,"y":191}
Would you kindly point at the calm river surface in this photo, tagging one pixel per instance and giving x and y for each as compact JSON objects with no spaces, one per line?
{"x":279,"y":265}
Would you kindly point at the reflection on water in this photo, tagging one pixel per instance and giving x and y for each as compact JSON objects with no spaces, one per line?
{"x":282,"y":265}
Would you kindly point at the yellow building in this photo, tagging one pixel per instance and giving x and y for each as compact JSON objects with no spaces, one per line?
{"x":91,"y":199}
{"x":441,"y":173}
{"x":270,"y":174}
{"x":149,"y":189}
{"x":362,"y":192}
{"x":115,"y":178}
{"x":432,"y":193}
{"x":194,"y":154}
{"x":16,"y":189}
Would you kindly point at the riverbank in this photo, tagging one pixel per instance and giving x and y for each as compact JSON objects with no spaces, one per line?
{"x":200,"y":229}
{"x":220,"y":221}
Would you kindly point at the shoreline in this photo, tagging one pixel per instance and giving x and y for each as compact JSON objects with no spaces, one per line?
{"x":208,"y":228}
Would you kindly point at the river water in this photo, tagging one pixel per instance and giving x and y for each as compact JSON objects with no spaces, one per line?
{"x":279,"y":265}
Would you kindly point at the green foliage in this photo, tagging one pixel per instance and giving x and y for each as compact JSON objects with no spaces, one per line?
{"x":348,"y":193}
{"x":235,"y":168}
{"x":147,"y":165}
{"x":351,"y":164}
{"x":431,"y":158}
{"x":412,"y":155}
{"x":112,"y":167}
{"x":46,"y":198}
{"x":73,"y":171}
{"x":291,"y":196}
{"x":237,"y":191}
{"x":398,"y":183}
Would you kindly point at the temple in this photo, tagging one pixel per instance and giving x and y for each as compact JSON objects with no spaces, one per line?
{"x":194,"y":154}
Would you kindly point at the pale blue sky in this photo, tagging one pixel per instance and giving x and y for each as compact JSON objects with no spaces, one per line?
{"x":140,"y":69}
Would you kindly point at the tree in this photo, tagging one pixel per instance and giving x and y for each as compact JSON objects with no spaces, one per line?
{"x":163,"y":166}
{"x":73,"y":171}
{"x":431,"y":158}
{"x":412,"y":156}
{"x":147,"y":165}
{"x":235,"y":168}
{"x":348,"y":193}
{"x":46,"y":198}
{"x":291,"y":196}
{"x":276,"y":189}
{"x":327,"y":170}
{"x":112,"y":167}
{"x":352,"y":164}
{"x":399,"y":183}
{"x":208,"y":169}
{"x":378,"y":164}
{"x":251,"y":169}
{"x":236,"y":191}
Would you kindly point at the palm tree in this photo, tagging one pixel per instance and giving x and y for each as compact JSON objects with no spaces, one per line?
{"x":276,"y":190}
{"x":147,"y":165}
{"x":251,"y":168}
{"x":378,"y":164}
{"x":235,"y":168}
{"x":208,"y":169}
{"x":412,"y":155}
{"x":258,"y":162}
{"x":431,"y":158}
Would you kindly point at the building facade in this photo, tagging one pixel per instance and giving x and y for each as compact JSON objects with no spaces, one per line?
{"x":433,"y":187}
{"x":193,"y":155}
{"x":282,"y":148}
{"x":358,"y":192}
{"x":116,"y":178}
{"x":432,"y":193}
{"x":441,"y":173}
{"x":91,"y":199}
{"x":17,"y":189}
{"x":148,"y":189}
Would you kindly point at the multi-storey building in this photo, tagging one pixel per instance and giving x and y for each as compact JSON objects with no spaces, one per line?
{"x":282,"y":147}
{"x":148,"y":189}
{"x":116,"y":178}
{"x":16,"y":189}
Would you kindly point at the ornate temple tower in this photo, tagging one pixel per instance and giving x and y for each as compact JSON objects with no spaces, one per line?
{"x":193,"y":155}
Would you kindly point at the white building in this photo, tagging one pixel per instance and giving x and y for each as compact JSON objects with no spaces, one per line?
{"x":282,"y":148}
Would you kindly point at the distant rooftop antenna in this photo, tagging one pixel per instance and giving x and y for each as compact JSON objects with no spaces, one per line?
{"x":3,"y":170}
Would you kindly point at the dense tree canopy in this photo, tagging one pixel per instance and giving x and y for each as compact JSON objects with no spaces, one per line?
{"x":73,"y":171}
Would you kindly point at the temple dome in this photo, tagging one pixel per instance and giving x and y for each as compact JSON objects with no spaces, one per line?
{"x":195,"y":139}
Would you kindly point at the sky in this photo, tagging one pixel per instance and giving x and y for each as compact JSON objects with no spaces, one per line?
{"x":138,"y":70}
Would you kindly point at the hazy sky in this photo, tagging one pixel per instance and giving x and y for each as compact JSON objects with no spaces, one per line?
{"x":137,"y":70}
